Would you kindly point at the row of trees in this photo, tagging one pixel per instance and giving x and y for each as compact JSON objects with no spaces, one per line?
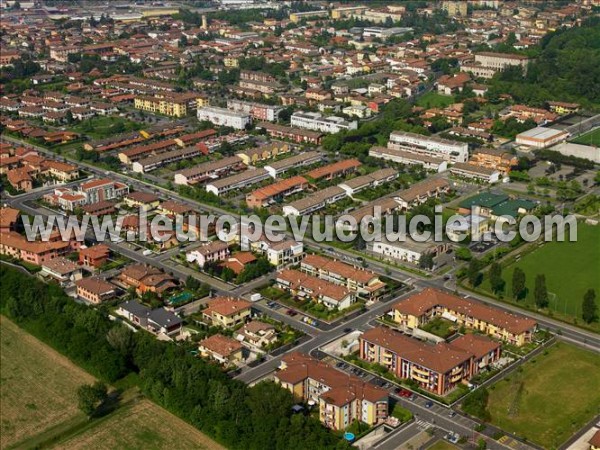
{"x":519,"y":290}
{"x":234,"y":414}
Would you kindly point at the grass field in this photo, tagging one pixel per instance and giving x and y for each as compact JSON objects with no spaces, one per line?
{"x":141,"y":425}
{"x":549,"y":399}
{"x":38,"y":386}
{"x":105,"y":126}
{"x":442,"y":445}
{"x":589,"y":138}
{"x":571,"y":268}
{"x":434,"y":100}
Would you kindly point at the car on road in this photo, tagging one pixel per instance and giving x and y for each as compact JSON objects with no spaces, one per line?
{"x":428,"y":404}
{"x":347,"y":330}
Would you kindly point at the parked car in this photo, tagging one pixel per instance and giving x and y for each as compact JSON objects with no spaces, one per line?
{"x":428,"y":404}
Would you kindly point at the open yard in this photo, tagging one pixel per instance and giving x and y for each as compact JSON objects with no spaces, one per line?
{"x":105,"y":126}
{"x":434,"y":100}
{"x":589,"y":138}
{"x":571,"y":268}
{"x":38,"y":386}
{"x":141,"y":425}
{"x":552,"y":397}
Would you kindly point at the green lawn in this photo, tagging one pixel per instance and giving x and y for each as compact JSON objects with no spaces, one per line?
{"x":434,"y":100}
{"x":571,"y":268}
{"x":552,"y":397}
{"x":440,"y":327}
{"x":589,"y":138}
{"x":105,"y":126}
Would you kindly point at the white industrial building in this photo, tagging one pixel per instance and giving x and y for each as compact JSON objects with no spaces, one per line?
{"x":224,"y":117}
{"x":540,"y":137}
{"x":436,"y":147}
{"x":318,"y":122}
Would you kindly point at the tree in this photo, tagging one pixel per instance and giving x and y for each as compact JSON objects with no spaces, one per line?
{"x":589,"y":309}
{"x":476,"y":403}
{"x":496,"y":280}
{"x":473,"y":273}
{"x":426,"y":261}
{"x":463,"y":253}
{"x":91,"y":396}
{"x":121,"y":339}
{"x":192,"y":283}
{"x":541,"y":291}
{"x":518,"y":284}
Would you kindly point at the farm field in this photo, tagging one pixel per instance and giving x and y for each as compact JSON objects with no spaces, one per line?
{"x":548,"y":400}
{"x":569,"y":269}
{"x":589,"y":138}
{"x":141,"y":425}
{"x":38,"y":387}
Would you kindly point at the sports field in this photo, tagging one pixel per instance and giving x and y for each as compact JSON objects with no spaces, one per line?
{"x":141,"y":425}
{"x":434,"y":100}
{"x":589,"y":138}
{"x":38,"y":388}
{"x":571,"y":268}
{"x":552,"y":397}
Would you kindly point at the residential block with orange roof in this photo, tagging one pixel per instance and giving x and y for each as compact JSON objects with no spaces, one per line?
{"x":227,"y":312}
{"x":341,"y":398}
{"x":421,"y":307}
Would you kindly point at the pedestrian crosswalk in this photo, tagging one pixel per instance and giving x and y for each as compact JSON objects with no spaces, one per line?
{"x":422,"y":424}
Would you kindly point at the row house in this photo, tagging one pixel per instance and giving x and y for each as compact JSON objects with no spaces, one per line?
{"x":314,"y":202}
{"x":337,"y":169}
{"x":253,"y":155}
{"x":276,"y":192}
{"x":238,"y":181}
{"x":365,"y":283}
{"x":35,"y":252}
{"x":294,"y":134}
{"x":371,"y":180}
{"x":280,"y":167}
{"x":302,"y":286}
{"x":422,"y":191}
{"x":209,"y":170}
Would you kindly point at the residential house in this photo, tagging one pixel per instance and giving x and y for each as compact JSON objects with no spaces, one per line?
{"x":94,"y":256}
{"x":158,"y":321}
{"x":147,"y":279}
{"x":257,"y":335}
{"x":227,"y":312}
{"x":211,"y":252}
{"x":62,"y":270}
{"x":223,"y":349}
{"x":95,"y":290}
{"x":302,"y":285}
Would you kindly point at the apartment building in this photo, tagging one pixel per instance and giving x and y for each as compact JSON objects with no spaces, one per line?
{"x":208,"y":170}
{"x":371,"y":180}
{"x":17,"y":246}
{"x":211,"y":252}
{"x":254,"y":155}
{"x":315,"y":201}
{"x":419,"y":308}
{"x":297,"y":135}
{"x":276,"y":192}
{"x":302,"y":285}
{"x":422,"y":191}
{"x":342,"y":398}
{"x":224,"y":117}
{"x":335,"y":170}
{"x":433,"y":146}
{"x":258,"y":111}
{"x":281,"y":166}
{"x":317,"y":122}
{"x":95,"y":290}
{"x":141,"y":200}
{"x":61,"y":171}
{"x":238,"y":181}
{"x":365,"y":283}
{"x":103,"y":189}
{"x":168,"y":104}
{"x":438,"y":368}
{"x":227,"y":312}
{"x":404,"y":157}
{"x":492,"y":158}
{"x":486,"y":64}
{"x":309,"y":15}
{"x":223,"y":349}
